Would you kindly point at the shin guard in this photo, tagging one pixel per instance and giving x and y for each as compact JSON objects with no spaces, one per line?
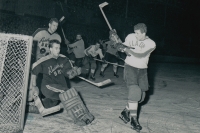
{"x":75,"y":107}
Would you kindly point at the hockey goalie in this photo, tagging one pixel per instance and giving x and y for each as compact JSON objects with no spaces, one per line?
{"x":56,"y":69}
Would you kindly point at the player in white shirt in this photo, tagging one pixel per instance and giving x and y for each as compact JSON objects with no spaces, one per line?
{"x":138,"y":48}
{"x":89,"y":62}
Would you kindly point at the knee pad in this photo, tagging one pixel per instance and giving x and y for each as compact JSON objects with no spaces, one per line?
{"x":135,"y":93}
{"x":75,"y":107}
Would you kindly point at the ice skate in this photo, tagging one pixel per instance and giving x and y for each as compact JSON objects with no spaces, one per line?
{"x":84,"y":75}
{"x":125,"y":116}
{"x":102,"y":74}
{"x":115,"y":74}
{"x":92,"y":77}
{"x":135,"y":125}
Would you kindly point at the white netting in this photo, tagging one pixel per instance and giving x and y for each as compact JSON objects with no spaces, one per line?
{"x":14,"y":70}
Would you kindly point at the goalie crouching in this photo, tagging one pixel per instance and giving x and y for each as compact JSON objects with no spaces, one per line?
{"x":55,"y":67}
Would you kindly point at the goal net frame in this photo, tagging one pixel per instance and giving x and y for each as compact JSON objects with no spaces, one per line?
{"x":15,"y":59}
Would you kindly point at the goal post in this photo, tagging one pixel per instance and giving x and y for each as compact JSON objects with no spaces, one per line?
{"x":15,"y":59}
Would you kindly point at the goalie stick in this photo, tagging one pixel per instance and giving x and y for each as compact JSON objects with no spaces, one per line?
{"x":99,"y":84}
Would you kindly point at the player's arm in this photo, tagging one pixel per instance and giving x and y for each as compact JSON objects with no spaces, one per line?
{"x":139,"y":55}
{"x":87,"y":51}
{"x":33,"y":84}
{"x":100,"y":54}
{"x":72,"y":45}
{"x":36,"y":69}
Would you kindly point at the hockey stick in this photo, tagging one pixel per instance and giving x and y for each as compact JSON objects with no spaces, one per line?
{"x":109,"y":63}
{"x":66,"y":41}
{"x":100,"y":84}
{"x":120,"y":58}
{"x":101,"y":6}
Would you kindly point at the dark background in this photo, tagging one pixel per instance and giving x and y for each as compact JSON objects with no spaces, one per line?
{"x":172,"y":24}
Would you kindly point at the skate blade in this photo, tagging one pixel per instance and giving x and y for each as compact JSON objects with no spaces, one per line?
{"x":137,"y":130}
{"x":123,"y":120}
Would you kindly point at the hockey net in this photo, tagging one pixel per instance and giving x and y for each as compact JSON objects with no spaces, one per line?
{"x":15,"y":56}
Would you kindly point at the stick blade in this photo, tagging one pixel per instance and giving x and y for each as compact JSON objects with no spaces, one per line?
{"x":103,"y":4}
{"x":104,"y":83}
{"x":62,"y":18}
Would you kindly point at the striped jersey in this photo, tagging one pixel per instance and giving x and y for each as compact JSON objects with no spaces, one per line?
{"x":54,"y":70}
{"x":42,"y":36}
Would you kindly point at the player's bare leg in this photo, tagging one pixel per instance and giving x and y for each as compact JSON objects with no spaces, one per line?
{"x":115,"y":70}
{"x":102,"y":69}
{"x":92,"y":75}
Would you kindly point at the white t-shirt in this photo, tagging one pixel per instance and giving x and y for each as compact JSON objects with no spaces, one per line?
{"x":138,"y":47}
{"x":91,"y":50}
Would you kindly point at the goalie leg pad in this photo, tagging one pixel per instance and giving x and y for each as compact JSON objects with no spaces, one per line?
{"x":75,"y":107}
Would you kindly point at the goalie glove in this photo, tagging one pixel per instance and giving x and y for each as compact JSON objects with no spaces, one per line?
{"x":75,"y":71}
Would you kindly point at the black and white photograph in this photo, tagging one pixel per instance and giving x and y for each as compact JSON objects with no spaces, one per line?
{"x":99,"y":66}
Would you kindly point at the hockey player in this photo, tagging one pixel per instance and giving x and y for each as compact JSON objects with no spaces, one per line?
{"x":110,"y":56}
{"x":55,"y":67}
{"x":138,"y":48}
{"x":89,"y":60}
{"x":42,"y":36}
{"x":78,"y":49}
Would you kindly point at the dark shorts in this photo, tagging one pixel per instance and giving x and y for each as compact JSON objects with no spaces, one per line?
{"x":110,"y":58}
{"x":136,"y":81}
{"x":79,"y":62}
{"x":136,"y":76}
{"x":89,"y":63}
{"x":51,"y":97}
{"x":48,"y":93}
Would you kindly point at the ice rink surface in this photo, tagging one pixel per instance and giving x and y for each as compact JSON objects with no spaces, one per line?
{"x":172,"y":104}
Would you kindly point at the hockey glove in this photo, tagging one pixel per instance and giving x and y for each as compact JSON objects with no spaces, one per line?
{"x":75,"y":71}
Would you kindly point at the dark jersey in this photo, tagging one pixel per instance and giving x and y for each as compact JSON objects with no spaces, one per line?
{"x":54,"y":70}
{"x":110,"y":48}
